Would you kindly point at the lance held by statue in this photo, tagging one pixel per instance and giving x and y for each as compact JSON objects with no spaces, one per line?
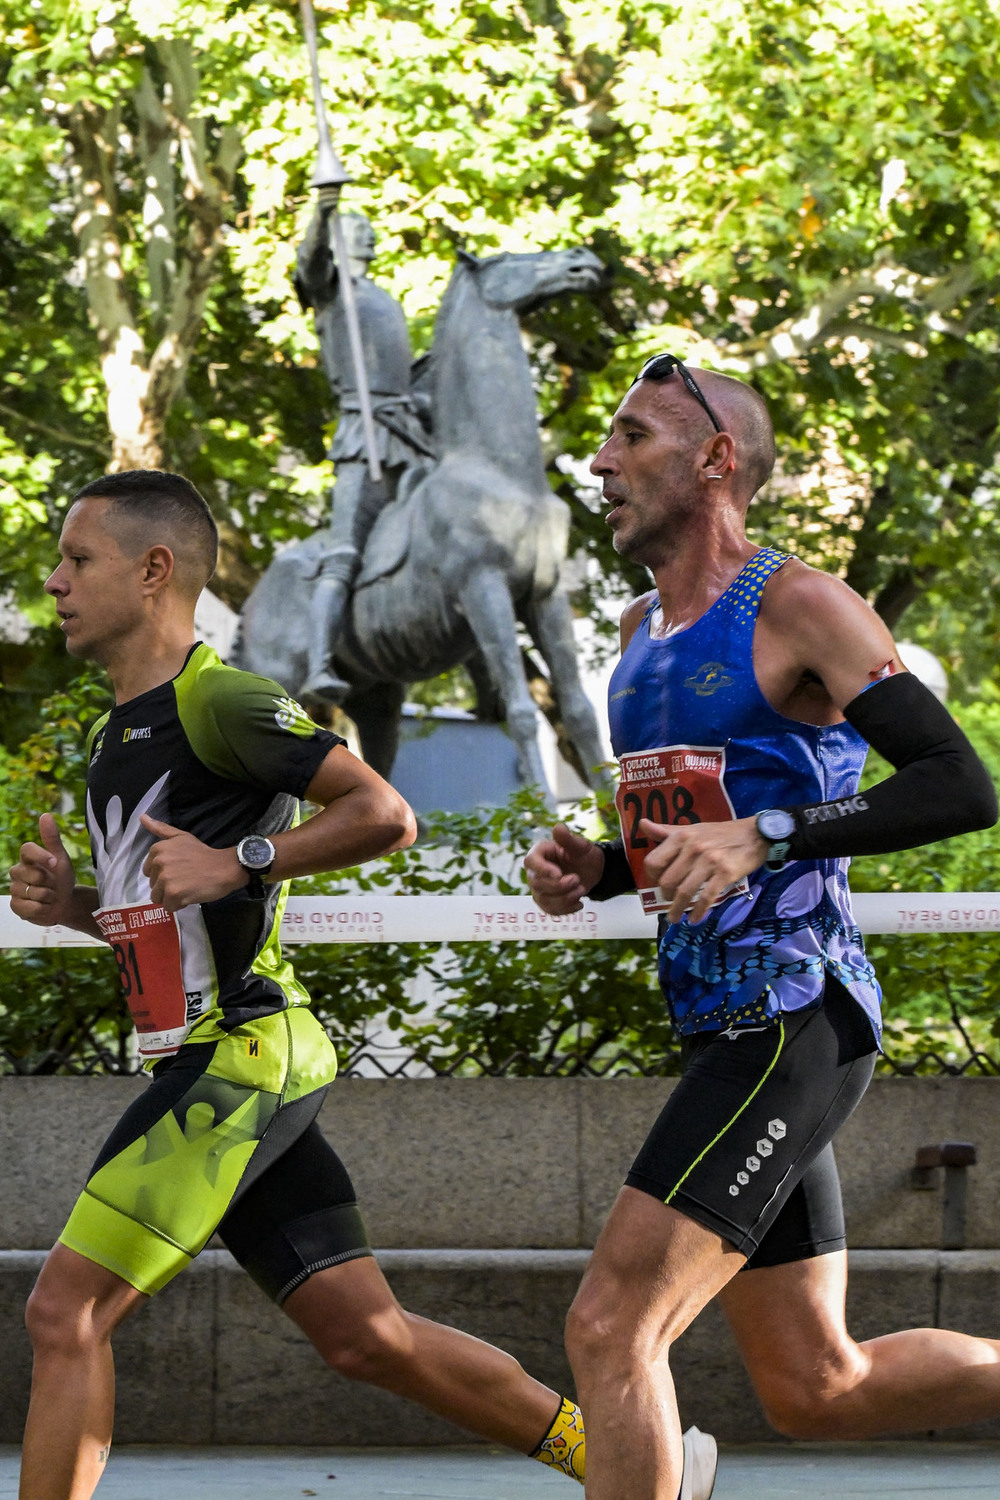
{"x":401,"y":426}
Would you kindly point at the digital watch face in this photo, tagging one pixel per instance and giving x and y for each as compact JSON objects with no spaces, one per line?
{"x":255,"y":852}
{"x":776,"y":825}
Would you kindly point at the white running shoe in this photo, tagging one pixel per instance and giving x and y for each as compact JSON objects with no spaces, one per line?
{"x":701,"y":1459}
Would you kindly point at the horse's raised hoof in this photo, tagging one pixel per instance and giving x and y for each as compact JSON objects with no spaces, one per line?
{"x":325,"y":688}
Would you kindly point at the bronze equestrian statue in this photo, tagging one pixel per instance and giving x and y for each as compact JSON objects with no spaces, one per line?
{"x":471,"y":545}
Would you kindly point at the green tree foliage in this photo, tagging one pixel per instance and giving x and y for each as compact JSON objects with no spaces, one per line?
{"x":802,"y":195}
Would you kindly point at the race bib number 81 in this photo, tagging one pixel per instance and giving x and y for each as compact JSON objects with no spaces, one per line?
{"x":147,"y":949}
{"x":675,"y":784}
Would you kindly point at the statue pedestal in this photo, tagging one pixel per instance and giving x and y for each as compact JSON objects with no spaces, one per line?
{"x":450,"y":761}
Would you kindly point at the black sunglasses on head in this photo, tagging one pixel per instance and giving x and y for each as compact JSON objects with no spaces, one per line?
{"x":663,"y":365}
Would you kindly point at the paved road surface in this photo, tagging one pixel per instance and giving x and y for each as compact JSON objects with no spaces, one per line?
{"x":888,"y":1471}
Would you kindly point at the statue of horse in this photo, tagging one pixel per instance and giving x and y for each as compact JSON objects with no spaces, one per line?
{"x":471,"y":545}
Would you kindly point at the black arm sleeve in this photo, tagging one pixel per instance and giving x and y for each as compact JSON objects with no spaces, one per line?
{"x":616,"y":877}
{"x":940,"y":787}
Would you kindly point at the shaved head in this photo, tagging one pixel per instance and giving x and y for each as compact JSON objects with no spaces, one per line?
{"x":149,"y":508}
{"x":740,"y":412}
{"x":744,"y":413}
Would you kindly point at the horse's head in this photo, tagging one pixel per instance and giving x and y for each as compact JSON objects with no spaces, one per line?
{"x":517,"y":282}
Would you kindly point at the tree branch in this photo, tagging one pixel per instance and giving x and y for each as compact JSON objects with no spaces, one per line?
{"x":57,"y":434}
{"x":884,"y":279}
{"x":871,"y":333}
{"x":158,"y":211}
{"x":902,"y":588}
{"x":208,"y":184}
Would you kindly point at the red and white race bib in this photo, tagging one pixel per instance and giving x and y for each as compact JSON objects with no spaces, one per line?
{"x":147,"y":949}
{"x":674,"y":784}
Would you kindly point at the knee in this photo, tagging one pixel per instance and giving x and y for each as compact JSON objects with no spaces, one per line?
{"x":373,"y":1350}
{"x":818,"y":1405}
{"x":54,"y":1326}
{"x":601,"y":1330}
{"x":587,"y":1329}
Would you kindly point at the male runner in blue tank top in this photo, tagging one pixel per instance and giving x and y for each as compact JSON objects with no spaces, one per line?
{"x":748,"y":690}
{"x":192,"y":788}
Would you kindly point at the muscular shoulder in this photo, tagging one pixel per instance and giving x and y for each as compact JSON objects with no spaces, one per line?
{"x":632,"y":616}
{"x":208,"y":689}
{"x":815,"y":603}
{"x":247,"y":727}
{"x":826,"y":629}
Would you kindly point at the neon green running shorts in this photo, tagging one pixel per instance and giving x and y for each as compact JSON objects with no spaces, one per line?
{"x":216,"y":1115}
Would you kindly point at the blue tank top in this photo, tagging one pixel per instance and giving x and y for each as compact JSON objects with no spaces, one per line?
{"x":754,"y":955}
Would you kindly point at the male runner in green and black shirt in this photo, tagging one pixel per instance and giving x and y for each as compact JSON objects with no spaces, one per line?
{"x":192,"y":805}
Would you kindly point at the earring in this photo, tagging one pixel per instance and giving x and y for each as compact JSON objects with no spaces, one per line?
{"x":713,"y":476}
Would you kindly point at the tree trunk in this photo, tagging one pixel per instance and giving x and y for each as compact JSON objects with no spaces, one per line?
{"x":136,"y":431}
{"x":186,"y":192}
{"x":903,"y":588}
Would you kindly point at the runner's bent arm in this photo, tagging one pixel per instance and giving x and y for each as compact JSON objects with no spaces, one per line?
{"x":940,"y":787}
{"x":361,"y":817}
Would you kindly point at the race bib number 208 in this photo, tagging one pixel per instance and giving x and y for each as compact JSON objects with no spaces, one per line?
{"x":675,"y":784}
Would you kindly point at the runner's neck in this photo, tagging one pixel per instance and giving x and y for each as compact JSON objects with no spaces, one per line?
{"x":138,"y":670}
{"x":691,"y":580}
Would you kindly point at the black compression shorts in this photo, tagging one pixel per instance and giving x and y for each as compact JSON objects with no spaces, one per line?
{"x":297,"y":1217}
{"x":743,"y":1144}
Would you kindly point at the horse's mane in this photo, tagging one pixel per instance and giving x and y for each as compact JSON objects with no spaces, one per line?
{"x":461,"y":285}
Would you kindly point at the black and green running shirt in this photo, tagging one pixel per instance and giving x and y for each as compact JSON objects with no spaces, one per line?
{"x":220,"y":754}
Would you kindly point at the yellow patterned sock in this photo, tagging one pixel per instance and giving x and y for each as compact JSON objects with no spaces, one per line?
{"x":564,"y":1445}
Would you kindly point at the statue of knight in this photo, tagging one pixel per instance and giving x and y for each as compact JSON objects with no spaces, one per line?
{"x":402,"y":439}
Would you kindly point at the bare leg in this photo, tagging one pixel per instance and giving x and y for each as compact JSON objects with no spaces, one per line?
{"x":72,"y":1312}
{"x":814,"y":1381}
{"x":350,"y":1314}
{"x":652,"y":1271}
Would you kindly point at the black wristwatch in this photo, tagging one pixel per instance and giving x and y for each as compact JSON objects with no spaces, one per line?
{"x":776,"y":827}
{"x":256,"y":854}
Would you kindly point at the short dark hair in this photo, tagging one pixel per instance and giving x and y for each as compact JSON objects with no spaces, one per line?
{"x":152,"y":505}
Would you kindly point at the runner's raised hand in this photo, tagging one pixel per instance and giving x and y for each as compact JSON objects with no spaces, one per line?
{"x":183,"y":871}
{"x":562,"y":869}
{"x":43,"y":880}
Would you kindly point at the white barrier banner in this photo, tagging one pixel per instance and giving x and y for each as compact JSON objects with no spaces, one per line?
{"x":374,"y":918}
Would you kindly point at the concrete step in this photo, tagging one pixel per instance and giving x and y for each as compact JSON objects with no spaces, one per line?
{"x":209,"y":1360}
{"x":505,"y":1162}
